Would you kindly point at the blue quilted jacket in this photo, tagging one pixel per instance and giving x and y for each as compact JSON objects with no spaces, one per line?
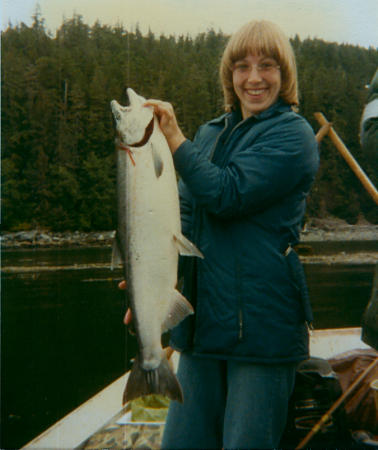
{"x":242,"y":193}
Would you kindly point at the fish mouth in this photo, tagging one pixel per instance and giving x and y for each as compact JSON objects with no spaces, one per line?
{"x":128,"y":122}
{"x":116,"y":107}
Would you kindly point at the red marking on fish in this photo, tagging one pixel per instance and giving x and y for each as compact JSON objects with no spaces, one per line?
{"x":122,"y":146}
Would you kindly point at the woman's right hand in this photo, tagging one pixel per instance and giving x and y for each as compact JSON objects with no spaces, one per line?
{"x":168,"y":123}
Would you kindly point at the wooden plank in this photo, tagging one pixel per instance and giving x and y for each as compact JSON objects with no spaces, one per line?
{"x":361,"y":175}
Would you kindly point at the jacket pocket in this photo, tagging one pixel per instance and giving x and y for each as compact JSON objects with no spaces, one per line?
{"x":300,"y":281}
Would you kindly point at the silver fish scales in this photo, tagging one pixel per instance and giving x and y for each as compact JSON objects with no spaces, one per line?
{"x":148,"y":242}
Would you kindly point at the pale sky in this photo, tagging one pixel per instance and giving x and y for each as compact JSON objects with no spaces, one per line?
{"x":343,"y":21}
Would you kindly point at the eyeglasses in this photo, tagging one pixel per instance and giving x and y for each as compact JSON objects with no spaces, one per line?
{"x":264,"y":68}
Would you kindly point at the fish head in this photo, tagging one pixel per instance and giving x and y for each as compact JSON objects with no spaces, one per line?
{"x":132,"y":121}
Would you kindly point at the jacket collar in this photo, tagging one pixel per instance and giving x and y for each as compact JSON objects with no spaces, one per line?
{"x":235,"y":116}
{"x":277,"y":108}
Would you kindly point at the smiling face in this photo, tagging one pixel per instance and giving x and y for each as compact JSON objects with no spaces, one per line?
{"x":257,"y":83}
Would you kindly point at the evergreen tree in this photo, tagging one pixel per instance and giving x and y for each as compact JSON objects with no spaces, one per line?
{"x":58,"y":167}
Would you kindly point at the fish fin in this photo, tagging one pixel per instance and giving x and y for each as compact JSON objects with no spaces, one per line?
{"x":116,"y":254}
{"x":158,"y":162}
{"x":179,"y":308}
{"x":158,"y":381}
{"x":186,"y":248}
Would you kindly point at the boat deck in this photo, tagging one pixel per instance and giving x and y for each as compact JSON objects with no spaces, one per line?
{"x":122,"y":434}
{"x":102,"y":422}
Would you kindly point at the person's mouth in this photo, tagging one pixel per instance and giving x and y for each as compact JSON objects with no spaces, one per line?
{"x":255,"y":92}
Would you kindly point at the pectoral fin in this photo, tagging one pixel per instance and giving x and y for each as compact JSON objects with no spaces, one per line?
{"x":158,"y":162}
{"x":186,"y":248}
{"x":116,"y":254}
{"x":179,"y":309}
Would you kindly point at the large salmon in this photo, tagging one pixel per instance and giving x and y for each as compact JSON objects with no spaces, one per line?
{"x":148,"y":242}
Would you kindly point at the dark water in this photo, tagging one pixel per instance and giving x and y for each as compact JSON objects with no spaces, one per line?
{"x":63,"y":338}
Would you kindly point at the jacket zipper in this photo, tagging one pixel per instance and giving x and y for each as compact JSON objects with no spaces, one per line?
{"x":240,"y":299}
{"x":238,"y":265}
{"x":240,"y":325}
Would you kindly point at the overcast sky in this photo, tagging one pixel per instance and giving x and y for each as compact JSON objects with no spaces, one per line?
{"x":344,"y":21}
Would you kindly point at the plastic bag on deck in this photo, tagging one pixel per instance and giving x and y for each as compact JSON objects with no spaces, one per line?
{"x":151,"y":408}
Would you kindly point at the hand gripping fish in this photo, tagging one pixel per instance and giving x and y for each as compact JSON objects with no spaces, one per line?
{"x":148,"y":242}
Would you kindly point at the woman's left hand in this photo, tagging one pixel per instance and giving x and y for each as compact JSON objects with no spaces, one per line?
{"x":168,"y":123}
{"x":128,"y":317}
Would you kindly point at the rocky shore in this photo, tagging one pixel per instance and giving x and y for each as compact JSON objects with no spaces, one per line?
{"x":315,"y":230}
{"x":46,"y":239}
{"x":318,"y":230}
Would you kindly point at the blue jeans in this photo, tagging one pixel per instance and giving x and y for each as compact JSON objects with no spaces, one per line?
{"x":229,"y":404}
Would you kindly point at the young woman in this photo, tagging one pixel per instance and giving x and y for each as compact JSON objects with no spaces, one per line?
{"x":244,"y":182}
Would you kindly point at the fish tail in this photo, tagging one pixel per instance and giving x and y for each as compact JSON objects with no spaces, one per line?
{"x":161,"y":381}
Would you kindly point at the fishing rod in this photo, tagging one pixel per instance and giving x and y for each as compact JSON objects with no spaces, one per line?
{"x":333,"y":408}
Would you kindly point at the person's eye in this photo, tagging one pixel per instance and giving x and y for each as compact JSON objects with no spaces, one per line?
{"x":241,"y":66}
{"x":267,"y":65}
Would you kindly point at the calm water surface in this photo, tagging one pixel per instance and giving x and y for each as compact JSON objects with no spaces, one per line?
{"x":63,"y":338}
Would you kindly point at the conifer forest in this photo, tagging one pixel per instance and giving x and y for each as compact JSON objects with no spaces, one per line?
{"x":58,"y":153}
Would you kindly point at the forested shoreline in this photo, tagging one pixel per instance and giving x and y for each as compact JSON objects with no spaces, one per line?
{"x":58,"y":165}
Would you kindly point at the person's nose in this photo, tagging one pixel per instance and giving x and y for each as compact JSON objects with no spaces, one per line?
{"x":254,"y":75}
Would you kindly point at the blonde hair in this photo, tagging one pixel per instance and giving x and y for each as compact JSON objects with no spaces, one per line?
{"x":260,"y":38}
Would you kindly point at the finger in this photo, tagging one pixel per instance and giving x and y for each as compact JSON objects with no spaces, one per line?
{"x":160,"y":108}
{"x":128,"y":317}
{"x":128,"y":320}
{"x":122,"y":284}
{"x":168,"y":352}
{"x":154,"y":103}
